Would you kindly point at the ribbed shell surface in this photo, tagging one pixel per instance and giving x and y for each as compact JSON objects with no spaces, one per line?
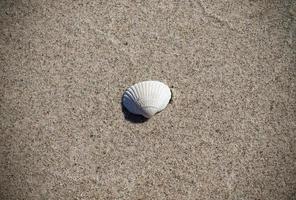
{"x":147,"y":98}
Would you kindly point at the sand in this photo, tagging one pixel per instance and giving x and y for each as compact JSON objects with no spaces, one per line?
{"x":229,"y":133}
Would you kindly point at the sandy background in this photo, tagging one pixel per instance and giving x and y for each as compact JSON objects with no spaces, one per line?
{"x":230,"y":132}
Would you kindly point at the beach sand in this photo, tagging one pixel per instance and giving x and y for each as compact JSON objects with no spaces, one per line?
{"x":229,"y":132}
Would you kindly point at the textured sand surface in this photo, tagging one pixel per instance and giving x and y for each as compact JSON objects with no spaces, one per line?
{"x":230,"y":132}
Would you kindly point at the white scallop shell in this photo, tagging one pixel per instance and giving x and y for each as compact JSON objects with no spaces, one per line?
{"x":146,"y":98}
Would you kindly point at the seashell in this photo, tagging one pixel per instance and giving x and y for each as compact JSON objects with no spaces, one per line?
{"x":146,"y":98}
